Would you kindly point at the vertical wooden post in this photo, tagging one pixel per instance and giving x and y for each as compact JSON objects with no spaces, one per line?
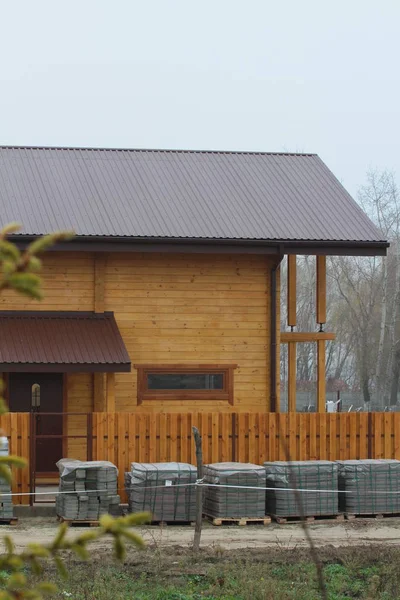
{"x":199,"y":490}
{"x":110,"y":392}
{"x":99,"y":282}
{"x":99,"y":399}
{"x":291,"y":290}
{"x":321,"y":289}
{"x":292,"y":348}
{"x":321,"y":383}
{"x":321,"y":319}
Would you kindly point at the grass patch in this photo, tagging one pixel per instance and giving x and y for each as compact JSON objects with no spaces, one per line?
{"x":367,"y":573}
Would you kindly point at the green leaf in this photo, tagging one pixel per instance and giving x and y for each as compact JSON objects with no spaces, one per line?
{"x":10,"y":228}
{"x":34,"y":264}
{"x":26,"y":283}
{"x":61,"y":533}
{"x":136,"y":519}
{"x":80,"y":551}
{"x":13,"y":460}
{"x":9,"y":544}
{"x":133,"y":537}
{"x":16,"y":581}
{"x":9,"y":251}
{"x":36,"y":566}
{"x":46,"y":587}
{"x":61,"y":567}
{"x":89,"y":536}
{"x":45,"y":242}
{"x":119,"y":547}
{"x":107,"y":521}
{"x":38,"y":550}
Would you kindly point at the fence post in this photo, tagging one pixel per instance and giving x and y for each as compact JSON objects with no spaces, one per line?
{"x":89,"y":449}
{"x":32,"y":457}
{"x":233,"y":437}
{"x":199,"y":490}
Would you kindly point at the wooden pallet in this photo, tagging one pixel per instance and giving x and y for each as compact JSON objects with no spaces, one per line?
{"x":78,"y":522}
{"x":172,"y":523}
{"x":241,"y":521}
{"x":12,"y":521}
{"x":352,"y":516}
{"x":308,"y":519}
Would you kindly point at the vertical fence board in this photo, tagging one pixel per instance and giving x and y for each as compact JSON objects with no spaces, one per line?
{"x":322,"y":436}
{"x":121,"y":453}
{"x":352,"y":435}
{"x":388,"y":431}
{"x":377,"y":429}
{"x":363,"y":435}
{"x":215,"y":449}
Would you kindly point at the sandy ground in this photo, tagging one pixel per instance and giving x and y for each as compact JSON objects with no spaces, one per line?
{"x":336,"y":534}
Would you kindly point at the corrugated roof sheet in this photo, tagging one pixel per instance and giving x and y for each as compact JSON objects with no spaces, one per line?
{"x":65,"y":341}
{"x":178,"y":194}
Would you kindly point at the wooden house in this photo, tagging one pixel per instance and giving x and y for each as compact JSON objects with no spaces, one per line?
{"x":167,"y":299}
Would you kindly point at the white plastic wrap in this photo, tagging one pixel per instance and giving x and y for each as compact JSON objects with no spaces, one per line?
{"x":68,"y":465}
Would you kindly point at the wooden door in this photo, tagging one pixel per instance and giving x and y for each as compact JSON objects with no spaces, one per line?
{"x":41,"y":393}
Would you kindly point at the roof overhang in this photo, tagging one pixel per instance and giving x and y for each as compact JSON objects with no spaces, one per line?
{"x":61,"y":341}
{"x":214,"y":246}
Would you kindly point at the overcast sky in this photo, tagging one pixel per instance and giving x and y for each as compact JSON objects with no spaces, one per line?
{"x":272,"y":75}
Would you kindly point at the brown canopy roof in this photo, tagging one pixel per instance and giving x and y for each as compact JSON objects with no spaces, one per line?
{"x":62,"y":342}
{"x":154,"y":195}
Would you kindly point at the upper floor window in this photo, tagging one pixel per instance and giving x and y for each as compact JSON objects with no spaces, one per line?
{"x":185,"y":382}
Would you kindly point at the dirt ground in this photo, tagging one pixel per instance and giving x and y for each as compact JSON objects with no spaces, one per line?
{"x":288,"y":536}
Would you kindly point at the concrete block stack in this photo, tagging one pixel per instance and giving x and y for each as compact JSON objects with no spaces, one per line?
{"x":319,"y":477}
{"x":369,"y":486}
{"x":165,"y":490}
{"x":90,"y":490}
{"x":223,"y":502}
{"x":6,"y":504}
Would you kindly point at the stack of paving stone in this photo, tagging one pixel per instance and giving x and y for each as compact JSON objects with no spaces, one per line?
{"x":225,"y":502}
{"x":369,"y":486}
{"x":285,"y":477}
{"x":90,"y":490}
{"x":165,"y":490}
{"x":6,"y":505}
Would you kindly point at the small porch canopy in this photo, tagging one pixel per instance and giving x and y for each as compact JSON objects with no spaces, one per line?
{"x":44,"y":342}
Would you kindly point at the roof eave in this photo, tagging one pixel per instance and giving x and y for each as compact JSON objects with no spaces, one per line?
{"x":214,"y":245}
{"x":17,"y":367}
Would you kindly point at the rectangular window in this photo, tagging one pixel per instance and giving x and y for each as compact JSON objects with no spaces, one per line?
{"x":185,"y":382}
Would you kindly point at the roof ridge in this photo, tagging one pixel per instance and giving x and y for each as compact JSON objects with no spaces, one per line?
{"x":155,"y":150}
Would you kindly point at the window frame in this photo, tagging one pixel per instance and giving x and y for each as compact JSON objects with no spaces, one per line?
{"x":144,"y":393}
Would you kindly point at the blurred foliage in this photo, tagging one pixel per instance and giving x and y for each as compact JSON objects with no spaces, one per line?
{"x":19,"y":272}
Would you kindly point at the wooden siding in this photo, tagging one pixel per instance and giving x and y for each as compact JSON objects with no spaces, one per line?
{"x":170,"y":309}
{"x":192,"y":309}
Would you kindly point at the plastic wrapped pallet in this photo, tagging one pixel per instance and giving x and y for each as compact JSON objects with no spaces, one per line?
{"x":369,"y":486}
{"x":6,"y":505}
{"x":303,"y":475}
{"x":223,"y":502}
{"x":160,"y":488}
{"x":90,"y":490}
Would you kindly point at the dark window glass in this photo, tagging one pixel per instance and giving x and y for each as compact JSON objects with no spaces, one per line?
{"x":185,"y":381}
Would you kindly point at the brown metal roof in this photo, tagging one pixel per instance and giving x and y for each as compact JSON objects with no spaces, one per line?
{"x":178,"y":195}
{"x":61,"y":341}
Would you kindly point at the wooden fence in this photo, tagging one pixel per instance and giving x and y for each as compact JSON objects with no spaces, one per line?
{"x":16,"y":426}
{"x":247,"y":437}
